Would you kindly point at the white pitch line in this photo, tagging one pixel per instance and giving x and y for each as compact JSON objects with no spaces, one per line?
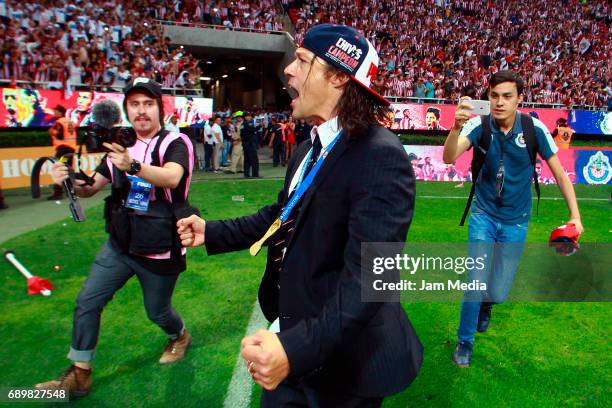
{"x":241,"y":385}
{"x":534,"y":198}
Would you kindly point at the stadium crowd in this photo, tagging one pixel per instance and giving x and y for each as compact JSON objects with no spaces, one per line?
{"x":105,"y":43}
{"x":263,"y":15}
{"x":443,"y":48}
{"x":428,"y":48}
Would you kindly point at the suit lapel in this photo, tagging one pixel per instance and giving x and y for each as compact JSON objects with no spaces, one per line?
{"x":326,"y":167}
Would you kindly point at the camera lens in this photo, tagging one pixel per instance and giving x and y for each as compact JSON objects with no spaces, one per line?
{"x":126,"y":136}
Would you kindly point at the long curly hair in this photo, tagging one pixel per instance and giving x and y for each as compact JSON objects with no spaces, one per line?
{"x":357,"y":108}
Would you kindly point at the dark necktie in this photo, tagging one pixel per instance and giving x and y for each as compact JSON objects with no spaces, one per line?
{"x":279,"y":241}
{"x":316,"y":151}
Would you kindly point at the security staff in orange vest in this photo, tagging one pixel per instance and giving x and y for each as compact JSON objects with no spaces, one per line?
{"x":64,"y":139}
{"x":563,"y":134}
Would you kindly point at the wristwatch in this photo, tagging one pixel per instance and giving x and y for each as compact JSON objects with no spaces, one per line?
{"x":135,"y":167}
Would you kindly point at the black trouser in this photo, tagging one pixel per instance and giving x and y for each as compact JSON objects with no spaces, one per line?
{"x":208,"y":152}
{"x":289,"y":394}
{"x":278,"y":154}
{"x":109,"y":272}
{"x":251,"y":161}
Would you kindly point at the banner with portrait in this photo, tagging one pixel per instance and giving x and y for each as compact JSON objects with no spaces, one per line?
{"x":412,"y":116}
{"x":582,"y":165}
{"x":23,"y":108}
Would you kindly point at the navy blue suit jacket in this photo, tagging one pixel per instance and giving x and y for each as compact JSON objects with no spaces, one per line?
{"x":364,"y":192}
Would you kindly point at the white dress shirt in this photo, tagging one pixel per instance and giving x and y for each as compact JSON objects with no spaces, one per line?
{"x":327,"y":132}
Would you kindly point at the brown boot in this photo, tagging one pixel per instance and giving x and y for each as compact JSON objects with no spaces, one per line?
{"x":77,"y":381}
{"x":175,"y":349}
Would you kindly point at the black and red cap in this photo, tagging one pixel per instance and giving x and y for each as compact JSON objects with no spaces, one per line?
{"x":565,"y":239}
{"x":348,"y":50}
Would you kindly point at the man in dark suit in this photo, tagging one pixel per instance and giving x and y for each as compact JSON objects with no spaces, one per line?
{"x":351,"y":183}
{"x":249,"y":146}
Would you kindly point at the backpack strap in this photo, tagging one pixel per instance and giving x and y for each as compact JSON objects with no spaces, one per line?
{"x":478,"y":158}
{"x":529,"y":133}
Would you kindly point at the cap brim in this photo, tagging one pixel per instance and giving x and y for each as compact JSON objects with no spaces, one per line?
{"x":142,"y":88}
{"x":372,"y":92}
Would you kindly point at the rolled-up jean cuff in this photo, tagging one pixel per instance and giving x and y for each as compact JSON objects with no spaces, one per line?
{"x":81,"y":355}
{"x":176,"y":336}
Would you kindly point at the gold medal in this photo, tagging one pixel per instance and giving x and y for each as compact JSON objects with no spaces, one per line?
{"x":256,"y":247}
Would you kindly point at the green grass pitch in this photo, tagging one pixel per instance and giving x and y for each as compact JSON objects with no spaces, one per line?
{"x":534,"y":354}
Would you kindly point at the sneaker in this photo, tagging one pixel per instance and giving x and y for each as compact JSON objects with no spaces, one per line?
{"x":484,"y":316}
{"x":75,"y":380}
{"x":175,"y":349}
{"x":463,"y":354}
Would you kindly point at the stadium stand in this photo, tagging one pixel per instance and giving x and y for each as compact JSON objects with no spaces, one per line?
{"x":430,"y":49}
{"x":442,"y":48}
{"x":95,"y":43}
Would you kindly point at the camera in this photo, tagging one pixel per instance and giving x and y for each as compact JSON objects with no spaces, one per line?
{"x":96,"y":135}
{"x":106,"y":116}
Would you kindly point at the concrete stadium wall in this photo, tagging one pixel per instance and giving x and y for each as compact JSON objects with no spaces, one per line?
{"x":226,"y":41}
{"x":209,"y":40}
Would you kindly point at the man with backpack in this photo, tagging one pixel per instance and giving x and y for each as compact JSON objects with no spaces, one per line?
{"x":505,"y":143}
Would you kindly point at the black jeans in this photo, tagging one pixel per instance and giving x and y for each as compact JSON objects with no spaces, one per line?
{"x":109,"y":272}
{"x":278,"y":154}
{"x":208,"y":152}
{"x":251,"y":161}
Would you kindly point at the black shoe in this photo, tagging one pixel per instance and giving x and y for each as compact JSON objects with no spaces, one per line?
{"x":484,"y":316}
{"x":3,"y":205}
{"x":463,"y":354}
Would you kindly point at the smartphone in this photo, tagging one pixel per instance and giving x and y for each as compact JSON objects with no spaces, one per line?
{"x":480,"y":107}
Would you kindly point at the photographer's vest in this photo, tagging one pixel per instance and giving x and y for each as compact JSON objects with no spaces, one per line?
{"x":121,"y":221}
{"x":65,"y":136}
{"x":564,"y":137}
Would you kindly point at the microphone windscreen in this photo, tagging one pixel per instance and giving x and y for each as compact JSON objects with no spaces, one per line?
{"x":106,"y":114}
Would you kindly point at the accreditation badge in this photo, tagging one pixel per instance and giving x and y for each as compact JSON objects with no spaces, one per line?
{"x":139,"y":195}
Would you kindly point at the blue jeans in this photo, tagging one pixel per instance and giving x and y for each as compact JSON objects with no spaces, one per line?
{"x":504,"y":243}
{"x":227,"y":145}
{"x":109,"y":272}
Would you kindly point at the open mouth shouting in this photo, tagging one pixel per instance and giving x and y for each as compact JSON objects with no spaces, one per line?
{"x":294,"y":94}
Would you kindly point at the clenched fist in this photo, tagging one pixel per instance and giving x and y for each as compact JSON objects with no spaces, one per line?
{"x":191,"y":231}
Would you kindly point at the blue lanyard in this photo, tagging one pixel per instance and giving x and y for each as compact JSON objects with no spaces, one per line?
{"x":304,"y":184}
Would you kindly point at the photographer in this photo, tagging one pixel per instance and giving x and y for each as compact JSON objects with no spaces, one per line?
{"x":145,"y":246}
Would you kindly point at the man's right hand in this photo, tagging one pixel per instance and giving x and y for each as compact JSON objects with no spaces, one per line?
{"x":59,"y":173}
{"x":191,"y":231}
{"x":463,"y":113}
